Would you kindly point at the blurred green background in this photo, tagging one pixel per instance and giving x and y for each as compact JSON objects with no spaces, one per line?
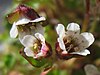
{"x":84,"y":12}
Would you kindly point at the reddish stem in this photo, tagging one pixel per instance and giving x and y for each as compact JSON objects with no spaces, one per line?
{"x":87,"y":15}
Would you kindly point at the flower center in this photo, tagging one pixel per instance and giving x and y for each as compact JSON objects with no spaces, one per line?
{"x":36,"y":47}
{"x":28,"y":28}
{"x":70,"y":45}
{"x":23,"y":28}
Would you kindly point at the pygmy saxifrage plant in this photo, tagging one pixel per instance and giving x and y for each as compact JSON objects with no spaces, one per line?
{"x":27,"y":26}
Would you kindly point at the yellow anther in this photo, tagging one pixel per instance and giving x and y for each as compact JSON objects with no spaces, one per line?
{"x":35,"y":46}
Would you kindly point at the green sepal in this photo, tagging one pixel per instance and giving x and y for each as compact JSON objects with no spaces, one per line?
{"x":13,"y":17}
{"x":34,"y":62}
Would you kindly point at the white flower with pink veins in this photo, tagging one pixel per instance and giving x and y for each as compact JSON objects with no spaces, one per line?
{"x":71,"y":41}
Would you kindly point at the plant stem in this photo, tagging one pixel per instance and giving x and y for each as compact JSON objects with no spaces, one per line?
{"x":94,"y":23}
{"x":87,"y":16}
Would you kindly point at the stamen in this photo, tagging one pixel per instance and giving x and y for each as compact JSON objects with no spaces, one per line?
{"x":76,"y":49}
{"x":35,"y":46}
{"x":70,"y":47}
{"x":67,"y":40}
{"x":32,"y":27}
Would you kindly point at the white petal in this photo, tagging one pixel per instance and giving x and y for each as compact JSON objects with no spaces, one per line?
{"x":21,"y":35}
{"x":22,"y":21}
{"x":40,"y":37}
{"x":71,"y":33}
{"x":64,"y":52}
{"x":89,"y":37}
{"x":81,"y":41}
{"x":28,"y":40}
{"x":39,"y":19}
{"x":39,"y":55}
{"x":82,"y":52}
{"x":60,"y":30}
{"x":73,"y":27}
{"x":13,"y":31}
{"x":39,"y":29}
{"x":61,"y":43}
{"x":28,"y":52}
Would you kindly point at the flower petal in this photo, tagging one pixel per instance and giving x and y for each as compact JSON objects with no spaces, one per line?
{"x":81,"y":42}
{"x":28,"y":40}
{"x":40,"y":54}
{"x":61,"y":43}
{"x":71,"y":33}
{"x":44,"y":48}
{"x":13,"y":31}
{"x":40,"y":37}
{"x":22,"y":21}
{"x":73,"y":27}
{"x":39,"y":19}
{"x":39,"y":29}
{"x":89,"y":37}
{"x":28,"y":52}
{"x":21,"y":35}
{"x":60,"y":30}
{"x":82,"y":52}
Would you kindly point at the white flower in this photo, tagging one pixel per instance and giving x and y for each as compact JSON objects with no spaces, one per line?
{"x":24,"y":21}
{"x":35,"y":46}
{"x":71,"y":41}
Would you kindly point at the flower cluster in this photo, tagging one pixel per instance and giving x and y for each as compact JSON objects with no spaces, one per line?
{"x":28,"y":28}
